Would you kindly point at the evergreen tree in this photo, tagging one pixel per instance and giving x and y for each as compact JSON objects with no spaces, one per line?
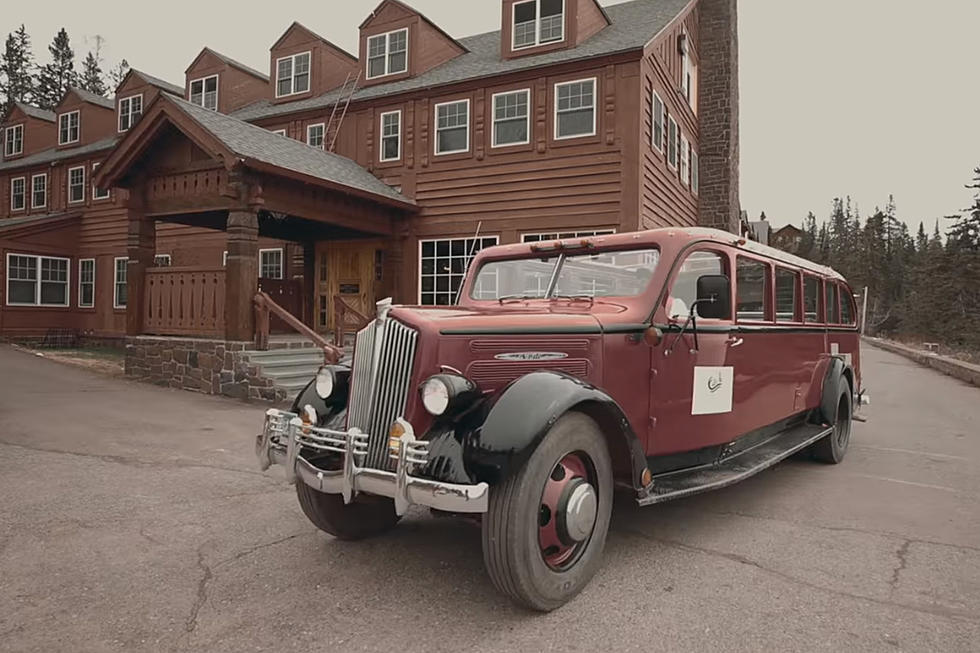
{"x":91,"y":77}
{"x":116,"y":74}
{"x":16,"y":70}
{"x":808,"y":242}
{"x":58,"y":76}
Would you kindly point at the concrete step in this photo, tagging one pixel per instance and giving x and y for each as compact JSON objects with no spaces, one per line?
{"x":289,"y":369}
{"x":272,"y":362}
{"x":285,"y":372}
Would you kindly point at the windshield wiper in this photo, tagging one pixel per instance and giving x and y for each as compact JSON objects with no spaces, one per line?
{"x":576,"y":298}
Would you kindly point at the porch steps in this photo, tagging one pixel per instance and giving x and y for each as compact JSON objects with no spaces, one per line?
{"x":289,"y":369}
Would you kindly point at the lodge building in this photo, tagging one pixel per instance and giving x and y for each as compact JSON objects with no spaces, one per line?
{"x":338,"y":178}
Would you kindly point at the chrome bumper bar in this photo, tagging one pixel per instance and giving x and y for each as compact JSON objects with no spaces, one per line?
{"x":285,"y":434}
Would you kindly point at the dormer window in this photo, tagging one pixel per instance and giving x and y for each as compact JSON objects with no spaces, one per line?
{"x":130,"y":110}
{"x":293,"y":74}
{"x":204,"y":92}
{"x":537,"y":22}
{"x":13,"y":140}
{"x":68,"y":127}
{"x":387,"y":54}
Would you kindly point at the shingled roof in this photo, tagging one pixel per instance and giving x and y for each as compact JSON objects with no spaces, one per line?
{"x":36,"y":112}
{"x":239,"y":65}
{"x":632,"y":26}
{"x":55,"y":154}
{"x":161,"y":84}
{"x":92,"y":98}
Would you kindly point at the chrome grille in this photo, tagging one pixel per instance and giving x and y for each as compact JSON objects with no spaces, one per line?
{"x":384,"y":353}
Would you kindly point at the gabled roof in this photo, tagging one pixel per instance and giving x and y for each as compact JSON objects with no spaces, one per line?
{"x":231,"y":62}
{"x":56,"y":154}
{"x":161,"y":84}
{"x":36,"y":112}
{"x":91,"y":98}
{"x":298,"y":25}
{"x":632,"y":26}
{"x":411,"y":10}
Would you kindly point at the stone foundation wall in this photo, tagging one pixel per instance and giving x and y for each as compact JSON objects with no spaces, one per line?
{"x":213,"y":367}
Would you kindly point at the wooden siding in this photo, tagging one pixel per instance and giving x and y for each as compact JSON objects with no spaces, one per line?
{"x":95,"y":121}
{"x":236,"y":88}
{"x":185,"y":302}
{"x":329,"y":65}
{"x":39,"y":134}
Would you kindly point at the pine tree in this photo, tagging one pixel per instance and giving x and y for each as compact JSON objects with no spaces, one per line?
{"x":117,"y":74}
{"x":58,"y":76}
{"x":91,"y":77}
{"x":963,"y":273}
{"x":808,"y":242}
{"x":16,"y":70}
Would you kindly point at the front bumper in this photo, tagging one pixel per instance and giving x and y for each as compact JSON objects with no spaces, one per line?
{"x":284,"y":436}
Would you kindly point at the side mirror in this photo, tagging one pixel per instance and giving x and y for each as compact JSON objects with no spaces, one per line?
{"x":714,"y":297}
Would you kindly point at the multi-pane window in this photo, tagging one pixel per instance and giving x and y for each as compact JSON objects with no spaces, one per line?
{"x":453,"y":127}
{"x":561,"y":235}
{"x":161,"y":261}
{"x":204,"y":92}
{"x":86,"y":282}
{"x":659,"y":115}
{"x":695,"y":171}
{"x":98,"y":193}
{"x":442,"y":266}
{"x":811,"y":299}
{"x":314,"y":135}
{"x":18,"y":194}
{"x":511,"y":118}
{"x":76,"y":184}
{"x":68,"y":127}
{"x":391,"y":135}
{"x":685,"y":161}
{"x":833,"y":305}
{"x":387,"y":54}
{"x":120,"y":289}
{"x":787,"y":299}
{"x":575,"y":109}
{"x":13,"y":140}
{"x":537,"y":22}
{"x":689,"y":73}
{"x":751,"y":289}
{"x":672,"y":133}
{"x":293,"y":74}
{"x":39,"y":191}
{"x":37,"y":280}
{"x":270,"y":263}
{"x":130,"y":110}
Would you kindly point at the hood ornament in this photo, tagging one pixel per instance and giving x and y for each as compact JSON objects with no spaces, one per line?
{"x":384,"y":307}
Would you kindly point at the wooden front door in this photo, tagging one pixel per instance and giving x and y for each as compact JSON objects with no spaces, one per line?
{"x":346,"y":269}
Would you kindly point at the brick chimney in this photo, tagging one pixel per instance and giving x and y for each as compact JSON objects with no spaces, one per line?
{"x":718,"y":109}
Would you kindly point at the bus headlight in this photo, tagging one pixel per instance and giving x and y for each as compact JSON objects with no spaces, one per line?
{"x":325,"y":382}
{"x":445,"y":392}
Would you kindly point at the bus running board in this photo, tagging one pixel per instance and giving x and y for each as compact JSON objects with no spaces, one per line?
{"x":687,"y":482}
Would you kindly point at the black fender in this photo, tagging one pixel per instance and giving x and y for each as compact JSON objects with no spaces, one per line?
{"x":500,"y":435}
{"x":333,"y":405}
{"x":838,"y":372}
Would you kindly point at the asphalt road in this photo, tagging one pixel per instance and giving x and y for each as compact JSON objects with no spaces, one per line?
{"x":132,"y":518}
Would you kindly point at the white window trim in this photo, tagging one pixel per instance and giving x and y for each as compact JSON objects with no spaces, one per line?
{"x":493,"y":118}
{"x":677,"y":133}
{"x":68,"y":185}
{"x":537,"y":25}
{"x":323,"y":143}
{"x":292,"y":75}
{"x":67,"y":114}
{"x":95,"y":190}
{"x":418,"y":280}
{"x":279,"y":132}
{"x":39,"y":206}
{"x":387,"y":35}
{"x":115,"y":281}
{"x":162,"y":256}
{"x":381,"y":139}
{"x":282,"y":262}
{"x":37,"y":282}
{"x":595,"y":104}
{"x":654,"y":98}
{"x":94,"y":269}
{"x":224,"y":258}
{"x":435,"y":127}
{"x":23,"y":180}
{"x":695,"y":173}
{"x":203,"y":80}
{"x":685,"y":160}
{"x":129,"y":114}
{"x":578,"y":233}
{"x":6,"y":133}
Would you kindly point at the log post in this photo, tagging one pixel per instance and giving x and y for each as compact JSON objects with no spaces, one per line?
{"x":241,"y":274}
{"x":140,"y":250}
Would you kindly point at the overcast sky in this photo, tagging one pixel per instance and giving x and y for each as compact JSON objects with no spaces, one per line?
{"x":859,"y":97}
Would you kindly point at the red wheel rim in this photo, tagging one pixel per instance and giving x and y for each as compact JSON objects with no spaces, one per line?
{"x":558,"y":550}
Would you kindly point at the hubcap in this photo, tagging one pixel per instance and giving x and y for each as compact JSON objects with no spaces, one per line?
{"x":580,"y":512}
{"x":567,"y":515}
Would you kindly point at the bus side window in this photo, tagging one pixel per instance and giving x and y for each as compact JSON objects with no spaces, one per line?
{"x":846,"y":306}
{"x":684,"y":291}
{"x":787,"y":295}
{"x":752,"y":289}
{"x":811,"y":299}
{"x":833,"y":305}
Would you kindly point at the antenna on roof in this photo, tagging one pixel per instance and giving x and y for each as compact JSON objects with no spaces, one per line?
{"x":469,"y":258}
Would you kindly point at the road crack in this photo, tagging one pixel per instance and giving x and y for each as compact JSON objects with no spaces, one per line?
{"x":202,"y":591}
{"x":258,"y":547}
{"x":902,"y":555}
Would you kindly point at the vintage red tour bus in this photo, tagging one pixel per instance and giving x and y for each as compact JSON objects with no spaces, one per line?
{"x":658,"y":364}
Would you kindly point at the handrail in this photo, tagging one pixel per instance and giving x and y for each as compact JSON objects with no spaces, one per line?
{"x":265,"y":306}
{"x":341,"y":309}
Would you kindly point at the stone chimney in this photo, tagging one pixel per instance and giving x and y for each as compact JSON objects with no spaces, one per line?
{"x":718,"y":113}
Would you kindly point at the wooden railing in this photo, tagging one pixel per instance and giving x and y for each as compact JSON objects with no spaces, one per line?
{"x":286,"y":293}
{"x":346,"y":318}
{"x":265,"y":307}
{"x":185,"y":302}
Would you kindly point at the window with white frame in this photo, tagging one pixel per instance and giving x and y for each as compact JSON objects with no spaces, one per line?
{"x":391,"y":135}
{"x":130,"y":110}
{"x":270,"y":263}
{"x":575,"y":109}
{"x":120,"y":290}
{"x":511,"y":118}
{"x":76,"y":184}
{"x":537,"y":22}
{"x":695,"y":172}
{"x":442,"y":266}
{"x":18,"y":194}
{"x":224,"y":258}
{"x":689,"y":72}
{"x":68,"y":127}
{"x":453,"y":127}
{"x":86,"y":283}
{"x":387,"y":53}
{"x":659,"y":114}
{"x":39,"y":191}
{"x":37,"y":280}
{"x":293,"y":74}
{"x":99,"y":193}
{"x":561,"y":235}
{"x":279,"y":132}
{"x":13,"y":140}
{"x":204,"y":92}
{"x":672,"y":134}
{"x":314,"y":135}
{"x":685,"y":161}
{"x":161,"y":261}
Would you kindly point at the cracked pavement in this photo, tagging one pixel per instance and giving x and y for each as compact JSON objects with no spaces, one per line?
{"x":133,"y":519}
